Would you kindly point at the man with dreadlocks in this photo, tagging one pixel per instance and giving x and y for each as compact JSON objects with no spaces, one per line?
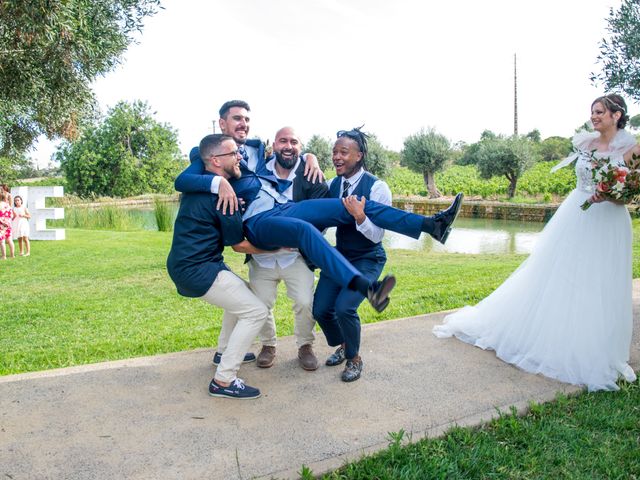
{"x":336,"y":308}
{"x":272,"y":221}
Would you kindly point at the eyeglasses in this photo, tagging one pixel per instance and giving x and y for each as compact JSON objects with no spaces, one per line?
{"x":235,"y":153}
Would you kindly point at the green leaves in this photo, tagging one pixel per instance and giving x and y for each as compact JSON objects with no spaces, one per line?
{"x":128,"y":153}
{"x":50,"y":52}
{"x":620,"y":54}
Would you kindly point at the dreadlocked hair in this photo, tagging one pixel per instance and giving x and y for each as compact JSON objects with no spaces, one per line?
{"x":359,"y":137}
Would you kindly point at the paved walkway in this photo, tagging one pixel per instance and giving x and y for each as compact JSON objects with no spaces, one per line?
{"x":151,"y":418}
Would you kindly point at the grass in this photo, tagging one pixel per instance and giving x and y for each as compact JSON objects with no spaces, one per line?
{"x":103,"y":295}
{"x":589,"y":436}
{"x":164,"y":214}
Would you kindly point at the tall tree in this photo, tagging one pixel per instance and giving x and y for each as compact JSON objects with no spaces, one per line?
{"x":426,"y":152}
{"x":129,"y":153}
{"x":620,"y":54}
{"x":50,"y":53}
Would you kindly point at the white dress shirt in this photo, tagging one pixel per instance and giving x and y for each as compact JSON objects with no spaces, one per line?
{"x":380,"y":192}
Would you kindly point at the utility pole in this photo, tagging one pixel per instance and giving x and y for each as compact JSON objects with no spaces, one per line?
{"x":214,"y":126}
{"x":515,"y":97}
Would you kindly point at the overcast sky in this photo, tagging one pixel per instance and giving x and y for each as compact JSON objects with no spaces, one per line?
{"x":395,"y":66}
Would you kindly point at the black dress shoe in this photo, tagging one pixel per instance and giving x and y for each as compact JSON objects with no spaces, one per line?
{"x":378,"y":295}
{"x":336,"y":358}
{"x":352,"y":370}
{"x":445,"y":219}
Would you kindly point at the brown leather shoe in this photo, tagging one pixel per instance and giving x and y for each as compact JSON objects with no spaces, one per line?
{"x":307,"y":358}
{"x":266,"y":357}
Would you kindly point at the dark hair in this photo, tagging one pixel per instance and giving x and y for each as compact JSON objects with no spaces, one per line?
{"x":359,"y":137}
{"x":226,"y":106}
{"x":209,"y":143}
{"x":17,"y":197}
{"x":614,"y":103}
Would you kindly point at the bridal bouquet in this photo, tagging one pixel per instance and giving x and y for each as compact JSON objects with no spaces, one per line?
{"x":614,"y":182}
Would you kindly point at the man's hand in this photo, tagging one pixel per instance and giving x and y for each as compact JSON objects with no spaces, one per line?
{"x":355,"y":207}
{"x":227,"y":197}
{"x":312,"y":170}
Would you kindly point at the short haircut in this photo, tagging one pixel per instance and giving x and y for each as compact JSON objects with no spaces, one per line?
{"x":210,"y":143}
{"x":226,"y":106}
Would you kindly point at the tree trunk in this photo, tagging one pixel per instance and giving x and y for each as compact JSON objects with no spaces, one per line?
{"x":513,"y":180}
{"x":430,"y":182}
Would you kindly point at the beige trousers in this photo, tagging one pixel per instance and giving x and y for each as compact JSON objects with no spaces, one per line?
{"x":247,"y":316}
{"x":299,"y":281}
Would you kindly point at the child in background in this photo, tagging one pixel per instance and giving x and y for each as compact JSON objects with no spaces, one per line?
{"x":21,"y":226}
{"x":6,"y":215}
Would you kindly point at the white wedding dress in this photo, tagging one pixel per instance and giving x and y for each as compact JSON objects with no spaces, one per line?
{"x":566,"y":312}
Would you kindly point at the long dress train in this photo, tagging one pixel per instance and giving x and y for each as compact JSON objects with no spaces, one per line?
{"x":566,"y":312}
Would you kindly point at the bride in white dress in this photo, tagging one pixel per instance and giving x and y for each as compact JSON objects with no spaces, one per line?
{"x":566,"y":312}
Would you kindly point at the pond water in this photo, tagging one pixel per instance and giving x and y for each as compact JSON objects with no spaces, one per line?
{"x":470,"y":235}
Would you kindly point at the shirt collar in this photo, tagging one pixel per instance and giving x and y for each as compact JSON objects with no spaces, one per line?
{"x":353,"y":180}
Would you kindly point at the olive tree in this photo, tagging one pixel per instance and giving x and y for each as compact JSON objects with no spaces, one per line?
{"x":426,"y":152}
{"x":50,"y":53}
{"x":620,"y":53}
{"x":505,"y":156}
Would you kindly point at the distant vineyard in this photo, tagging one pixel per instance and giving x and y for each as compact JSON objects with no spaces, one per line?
{"x":537,"y":182}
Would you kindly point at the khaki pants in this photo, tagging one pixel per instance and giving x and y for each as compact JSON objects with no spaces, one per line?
{"x":247,"y":313}
{"x":264,"y":283}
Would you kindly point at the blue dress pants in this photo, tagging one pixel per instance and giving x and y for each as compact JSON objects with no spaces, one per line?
{"x":336,"y":308}
{"x":298,"y":225}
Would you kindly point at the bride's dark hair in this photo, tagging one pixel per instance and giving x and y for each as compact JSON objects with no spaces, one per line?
{"x":614,"y":103}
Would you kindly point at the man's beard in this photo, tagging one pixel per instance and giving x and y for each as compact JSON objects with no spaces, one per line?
{"x":232,"y":171}
{"x":284,"y":163}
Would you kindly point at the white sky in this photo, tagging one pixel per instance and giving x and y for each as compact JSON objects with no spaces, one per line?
{"x":394,"y":65}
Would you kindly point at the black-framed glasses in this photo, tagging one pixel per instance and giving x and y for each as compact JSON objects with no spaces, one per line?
{"x":235,"y":153}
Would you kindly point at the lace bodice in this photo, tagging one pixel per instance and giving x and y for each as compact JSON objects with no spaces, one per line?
{"x":583,"y":169}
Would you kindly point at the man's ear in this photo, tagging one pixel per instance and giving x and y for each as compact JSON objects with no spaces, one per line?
{"x":222,"y":124}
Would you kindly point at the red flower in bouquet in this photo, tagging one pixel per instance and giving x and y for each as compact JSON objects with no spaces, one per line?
{"x":614,"y":182}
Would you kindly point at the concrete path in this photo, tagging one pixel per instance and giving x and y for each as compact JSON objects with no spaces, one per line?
{"x":152,"y":418}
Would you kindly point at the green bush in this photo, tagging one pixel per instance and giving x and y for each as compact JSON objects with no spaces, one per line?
{"x":103,"y":218}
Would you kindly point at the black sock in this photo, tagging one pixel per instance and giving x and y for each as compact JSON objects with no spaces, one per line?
{"x":360,"y":284}
{"x":428,"y":225}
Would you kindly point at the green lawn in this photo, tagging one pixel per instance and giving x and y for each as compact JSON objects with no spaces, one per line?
{"x":102,"y":295}
{"x":589,"y":436}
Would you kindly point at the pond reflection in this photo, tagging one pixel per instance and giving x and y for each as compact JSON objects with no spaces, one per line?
{"x":472,"y":236}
